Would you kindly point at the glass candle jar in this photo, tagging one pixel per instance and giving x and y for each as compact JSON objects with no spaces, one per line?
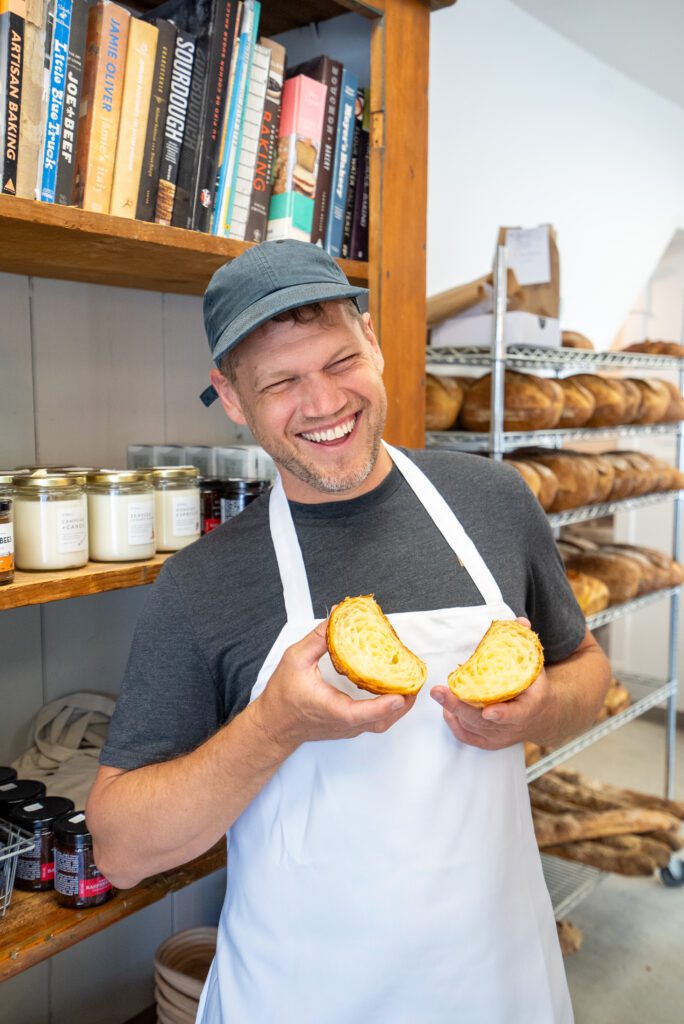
{"x":120,"y":516}
{"x":176,"y":506}
{"x":18,"y":791}
{"x":78,"y":881}
{"x":6,"y":530}
{"x":50,"y":522}
{"x":36,"y":869}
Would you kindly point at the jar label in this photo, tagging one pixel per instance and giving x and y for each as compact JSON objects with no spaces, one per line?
{"x":72,"y":528}
{"x":186,"y":516}
{"x":141,"y":522}
{"x":211,"y":524}
{"x":93,"y":886}
{"x":230,"y":507}
{"x":6,"y":547}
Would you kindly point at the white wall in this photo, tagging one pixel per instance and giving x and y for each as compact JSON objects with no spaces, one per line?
{"x":525,"y":128}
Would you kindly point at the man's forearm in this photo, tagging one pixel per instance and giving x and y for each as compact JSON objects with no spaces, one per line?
{"x":157,"y":817}
{"x":578,"y":686}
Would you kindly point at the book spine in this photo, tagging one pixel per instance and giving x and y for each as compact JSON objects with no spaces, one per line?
{"x":254,"y":110}
{"x":236,"y":148}
{"x":230,"y":128}
{"x":299,"y":142}
{"x":53,"y":124}
{"x":335,"y":225}
{"x":31,"y":96}
{"x":156,"y":120}
{"x":72,"y":101}
{"x":4,"y":24}
{"x":12,"y":96}
{"x":262,"y":182}
{"x":107,"y":39}
{"x":179,"y":94}
{"x":188,"y":154}
{"x":219,"y":80}
{"x":358,"y":246}
{"x":353,"y":174}
{"x":135,"y":106}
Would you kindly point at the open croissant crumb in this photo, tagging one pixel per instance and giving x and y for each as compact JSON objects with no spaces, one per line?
{"x":364,"y":647}
{"x":508,"y":658}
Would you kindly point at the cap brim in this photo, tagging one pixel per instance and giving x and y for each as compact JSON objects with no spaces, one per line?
{"x":279,"y":302}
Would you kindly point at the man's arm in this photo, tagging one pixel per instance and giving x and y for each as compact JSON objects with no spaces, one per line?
{"x":562,"y":702}
{"x":154,"y":818}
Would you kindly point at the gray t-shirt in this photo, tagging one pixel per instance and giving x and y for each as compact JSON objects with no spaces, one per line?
{"x":217,"y":607}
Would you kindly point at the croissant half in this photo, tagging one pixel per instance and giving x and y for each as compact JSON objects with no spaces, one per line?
{"x":364,"y":647}
{"x":508,"y":658}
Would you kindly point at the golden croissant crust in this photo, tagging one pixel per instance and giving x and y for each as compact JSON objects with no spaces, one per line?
{"x":508,"y":658}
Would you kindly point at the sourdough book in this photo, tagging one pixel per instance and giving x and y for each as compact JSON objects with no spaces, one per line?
{"x":174,"y":129}
{"x":156,"y":119}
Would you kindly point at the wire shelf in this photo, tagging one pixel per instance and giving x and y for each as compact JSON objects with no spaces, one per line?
{"x":471,"y":441}
{"x":616,"y":611}
{"x":645,"y":692}
{"x":13,"y":842}
{"x":568,"y":883}
{"x":607,"y":508}
{"x":543,"y":358}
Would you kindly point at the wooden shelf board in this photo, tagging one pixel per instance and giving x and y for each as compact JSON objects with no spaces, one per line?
{"x":36,"y":927}
{"x":62,"y":242}
{"x":94,"y":578}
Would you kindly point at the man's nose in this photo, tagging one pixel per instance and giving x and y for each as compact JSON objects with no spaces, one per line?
{"x":322,"y":396}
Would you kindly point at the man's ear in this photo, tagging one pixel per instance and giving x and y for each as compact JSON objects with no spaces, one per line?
{"x":369,"y":331}
{"x":228,"y":396}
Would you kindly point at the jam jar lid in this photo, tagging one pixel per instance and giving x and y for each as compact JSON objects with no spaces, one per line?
{"x":71,"y":826}
{"x":20,"y":790}
{"x":40,"y":812}
{"x":241,"y":485}
{"x":7,"y":774}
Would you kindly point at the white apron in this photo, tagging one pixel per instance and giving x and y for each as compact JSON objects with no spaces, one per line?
{"x":393,"y":878}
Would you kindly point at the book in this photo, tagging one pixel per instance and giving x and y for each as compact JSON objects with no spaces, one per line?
{"x":340,"y":178}
{"x":296,"y":165}
{"x":156,"y":119}
{"x":218,"y":70}
{"x":135,"y":108}
{"x":262,"y":182}
{"x":353,"y":172}
{"x":98,"y":123}
{"x":31,"y":97}
{"x":329,"y":72}
{"x":240,"y":68}
{"x":174,"y":129}
{"x":10,"y":92}
{"x":254,"y":111}
{"x":72,"y":101}
{"x":53,"y":124}
{"x":358,"y":244}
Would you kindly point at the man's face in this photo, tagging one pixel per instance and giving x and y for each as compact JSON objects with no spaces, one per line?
{"x":312,"y":395}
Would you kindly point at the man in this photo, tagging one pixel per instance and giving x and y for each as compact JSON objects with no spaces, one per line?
{"x":382,"y":862}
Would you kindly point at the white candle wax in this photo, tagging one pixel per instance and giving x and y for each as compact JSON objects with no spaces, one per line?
{"x":176,"y":517}
{"x":50,"y":534}
{"x":121,"y":526}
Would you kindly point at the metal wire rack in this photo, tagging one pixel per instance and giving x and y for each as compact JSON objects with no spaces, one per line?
{"x":471,"y":441}
{"x":13,"y":842}
{"x":607,"y":508}
{"x":558,"y":359}
{"x":616,"y":611}
{"x":568,"y":883}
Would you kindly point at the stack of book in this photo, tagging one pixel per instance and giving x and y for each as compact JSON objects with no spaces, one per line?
{"x":184,"y":117}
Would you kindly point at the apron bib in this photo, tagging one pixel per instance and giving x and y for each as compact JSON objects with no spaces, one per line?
{"x":393,"y":878}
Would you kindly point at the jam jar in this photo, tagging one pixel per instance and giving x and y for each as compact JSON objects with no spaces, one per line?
{"x":79,"y":883}
{"x":36,"y":869}
{"x":18,"y":791}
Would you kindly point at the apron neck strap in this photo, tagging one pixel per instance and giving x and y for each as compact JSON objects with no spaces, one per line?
{"x":289,"y":556}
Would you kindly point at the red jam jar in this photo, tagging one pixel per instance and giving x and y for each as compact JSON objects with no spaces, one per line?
{"x":36,"y":869}
{"x":79,"y":883}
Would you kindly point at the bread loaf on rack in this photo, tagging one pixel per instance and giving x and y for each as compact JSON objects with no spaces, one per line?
{"x":578,"y":404}
{"x":364,"y":647}
{"x":591,"y":593}
{"x":655,"y":400}
{"x":632,"y":393}
{"x":609,"y":396}
{"x":675,"y":410}
{"x":443,"y":401}
{"x":548,"y":480}
{"x":577,"y":478}
{"x":657,"y":348}
{"x":530,"y":403}
{"x":507,"y":660}
{"x":573,"y":339}
{"x":529,"y":475}
{"x":623,"y":476}
{"x":621,"y":574}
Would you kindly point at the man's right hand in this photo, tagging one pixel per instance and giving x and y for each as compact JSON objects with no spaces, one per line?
{"x":297,"y":704}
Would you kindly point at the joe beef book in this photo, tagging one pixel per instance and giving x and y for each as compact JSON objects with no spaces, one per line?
{"x":72,"y":102}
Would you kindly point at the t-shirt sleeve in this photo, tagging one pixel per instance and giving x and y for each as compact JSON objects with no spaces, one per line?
{"x":169,"y":701}
{"x":550,"y":603}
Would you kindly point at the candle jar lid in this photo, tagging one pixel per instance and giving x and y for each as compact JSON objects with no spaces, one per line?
{"x":117,"y":477}
{"x":176,"y":473}
{"x":48,"y":482}
{"x":35,"y":813}
{"x":19,"y":791}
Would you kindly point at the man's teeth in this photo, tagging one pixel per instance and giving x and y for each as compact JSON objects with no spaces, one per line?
{"x":333,"y":434}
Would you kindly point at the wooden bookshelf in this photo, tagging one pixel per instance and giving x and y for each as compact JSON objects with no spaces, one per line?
{"x":94,"y":578}
{"x":36,"y":926}
{"x":62,"y":242}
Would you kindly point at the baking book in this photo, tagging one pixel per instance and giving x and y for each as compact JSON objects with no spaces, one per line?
{"x":12,"y":17}
{"x":98,"y":124}
{"x":254,"y":109}
{"x":343,"y":145}
{"x":72,"y":101}
{"x":31,"y":97}
{"x":156,"y":119}
{"x":262,"y":182}
{"x":353,"y":173}
{"x":135,"y":108}
{"x":297,"y":160}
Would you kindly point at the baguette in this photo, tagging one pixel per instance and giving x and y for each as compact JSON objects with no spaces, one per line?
{"x":598,"y":855}
{"x":507,"y":660}
{"x":364,"y":647}
{"x":569,"y":937}
{"x":551,"y":830}
{"x":626,"y":797}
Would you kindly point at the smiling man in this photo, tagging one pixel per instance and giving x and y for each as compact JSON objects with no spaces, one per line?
{"x":382,"y":861}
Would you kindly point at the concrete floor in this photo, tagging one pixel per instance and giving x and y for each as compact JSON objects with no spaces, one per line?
{"x":630,"y":969}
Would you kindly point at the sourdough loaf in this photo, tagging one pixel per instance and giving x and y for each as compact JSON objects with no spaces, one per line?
{"x":530,"y":403}
{"x":655,"y":400}
{"x":443,"y":401}
{"x":609,"y":396}
{"x":657,"y":348}
{"x":578,"y":403}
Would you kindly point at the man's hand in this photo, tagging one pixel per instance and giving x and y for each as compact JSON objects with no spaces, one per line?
{"x":298,"y":705}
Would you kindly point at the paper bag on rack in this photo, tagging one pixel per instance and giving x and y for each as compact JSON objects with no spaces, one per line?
{"x":533,"y":257}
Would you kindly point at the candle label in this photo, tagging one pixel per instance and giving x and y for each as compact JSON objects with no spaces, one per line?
{"x":186,"y":517}
{"x":6,"y":547}
{"x":140,"y":522}
{"x":72,"y":529}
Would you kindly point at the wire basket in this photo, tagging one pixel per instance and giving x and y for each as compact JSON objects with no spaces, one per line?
{"x":13,"y":842}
